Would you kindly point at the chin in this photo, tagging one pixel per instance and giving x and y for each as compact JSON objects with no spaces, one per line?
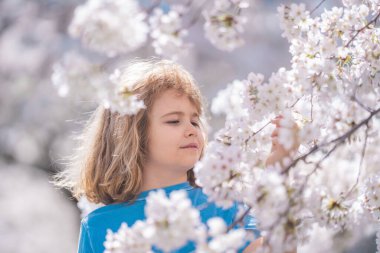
{"x":187,"y":163}
{"x":187,"y":166}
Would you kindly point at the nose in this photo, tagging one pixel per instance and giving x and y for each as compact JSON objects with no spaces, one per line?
{"x":191,"y":130}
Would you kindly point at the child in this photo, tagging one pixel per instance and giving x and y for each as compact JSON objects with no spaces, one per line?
{"x":124,"y":158}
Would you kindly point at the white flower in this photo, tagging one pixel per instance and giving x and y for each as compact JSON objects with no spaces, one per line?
{"x":229,"y":101}
{"x":330,"y":19}
{"x":168,"y":33}
{"x":327,"y":46}
{"x":298,"y":13}
{"x":333,"y":213}
{"x":216,"y":226}
{"x":263,"y":99}
{"x":222,"y":240}
{"x":76,"y":76}
{"x":118,"y":95}
{"x":269,"y":197}
{"x":172,"y":221}
{"x":110,"y":26}
{"x":229,"y":242}
{"x":220,"y":174}
{"x":372,"y":196}
{"x":294,"y":19}
{"x":128,"y":239}
{"x":223,"y":27}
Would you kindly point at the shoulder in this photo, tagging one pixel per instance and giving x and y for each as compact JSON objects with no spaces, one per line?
{"x":114,"y":213}
{"x":104,"y":210}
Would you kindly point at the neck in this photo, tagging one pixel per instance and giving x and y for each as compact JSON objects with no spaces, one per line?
{"x":154,"y":178}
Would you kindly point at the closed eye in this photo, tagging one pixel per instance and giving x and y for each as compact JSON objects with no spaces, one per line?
{"x":195,"y":124}
{"x":173,"y":122}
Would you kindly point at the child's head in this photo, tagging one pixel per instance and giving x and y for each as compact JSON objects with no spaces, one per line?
{"x":116,"y":148}
{"x":175,"y":137}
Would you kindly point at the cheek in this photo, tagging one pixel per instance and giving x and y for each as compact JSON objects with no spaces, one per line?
{"x":202,"y":142}
{"x":202,"y":138}
{"x":162,"y":142}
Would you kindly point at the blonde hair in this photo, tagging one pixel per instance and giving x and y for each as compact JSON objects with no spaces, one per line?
{"x":113,"y":147}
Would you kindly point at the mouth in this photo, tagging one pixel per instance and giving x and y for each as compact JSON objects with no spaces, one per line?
{"x":190,"y":146}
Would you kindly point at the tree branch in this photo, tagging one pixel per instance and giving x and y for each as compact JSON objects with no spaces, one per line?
{"x":339,"y":141}
{"x":258,"y":131}
{"x":355,"y":99}
{"x":363,"y":28}
{"x":240,"y":219}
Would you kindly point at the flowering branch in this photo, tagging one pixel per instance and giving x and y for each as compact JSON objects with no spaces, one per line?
{"x":374,"y":20}
{"x":339,"y":141}
{"x":361,"y":162}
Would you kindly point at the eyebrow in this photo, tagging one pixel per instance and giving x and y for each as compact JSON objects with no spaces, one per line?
{"x":179,"y":113}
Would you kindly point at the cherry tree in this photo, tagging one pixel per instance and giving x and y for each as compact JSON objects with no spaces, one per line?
{"x":331,"y":90}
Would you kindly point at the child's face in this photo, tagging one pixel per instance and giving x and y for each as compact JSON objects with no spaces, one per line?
{"x":174,"y":124}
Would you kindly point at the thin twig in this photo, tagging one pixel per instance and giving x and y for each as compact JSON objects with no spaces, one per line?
{"x":360,"y":163}
{"x":316,"y":7}
{"x":362,"y":29}
{"x":353,"y":130}
{"x":254,"y":133}
{"x":317,"y":166}
{"x":240,"y":219}
{"x":355,"y":99}
{"x":298,"y":99}
{"x":339,"y":140}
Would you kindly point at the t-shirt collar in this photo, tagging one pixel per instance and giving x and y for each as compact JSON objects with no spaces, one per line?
{"x":167,"y":189}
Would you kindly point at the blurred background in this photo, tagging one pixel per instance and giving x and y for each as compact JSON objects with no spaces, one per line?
{"x":37,"y":125}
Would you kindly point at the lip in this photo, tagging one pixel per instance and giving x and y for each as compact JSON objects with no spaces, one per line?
{"x":191,"y":145}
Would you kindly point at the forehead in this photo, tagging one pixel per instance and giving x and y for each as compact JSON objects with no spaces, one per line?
{"x":172,"y":100}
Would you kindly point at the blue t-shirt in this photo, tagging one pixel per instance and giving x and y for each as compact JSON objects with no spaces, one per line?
{"x":94,"y":226}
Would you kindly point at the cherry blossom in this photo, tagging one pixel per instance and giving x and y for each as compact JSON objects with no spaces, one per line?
{"x":128,"y":239}
{"x":168,"y":33}
{"x":109,"y":26}
{"x":224,"y":24}
{"x":168,"y":215}
{"x":118,"y":95}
